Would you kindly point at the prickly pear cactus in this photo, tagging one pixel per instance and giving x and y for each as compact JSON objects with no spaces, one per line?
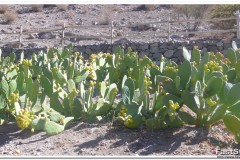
{"x":155,"y":124}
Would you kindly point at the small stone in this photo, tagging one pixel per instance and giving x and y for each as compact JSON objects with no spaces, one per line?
{"x":220,"y":44}
{"x":141,"y":54}
{"x":164,"y":45}
{"x":189,"y":47}
{"x":180,"y":47}
{"x":126,"y":150}
{"x":171,"y":47}
{"x":154,"y":49}
{"x":175,"y":60}
{"x":80,"y":151}
{"x":17,"y":151}
{"x":225,"y":41}
{"x":88,"y":51}
{"x":212,"y":48}
{"x":45,"y":35}
{"x":200,"y":45}
{"x":157,"y":56}
{"x":38,"y":150}
{"x":169,"y":53}
{"x":220,"y":48}
{"x":227,"y":45}
{"x":144,"y":46}
{"x":141,"y":27}
{"x":154,"y":45}
{"x":150,"y":55}
{"x":178,"y":54}
{"x":224,"y":52}
{"x":154,"y":27}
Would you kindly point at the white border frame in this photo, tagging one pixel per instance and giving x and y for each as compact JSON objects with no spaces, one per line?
{"x":114,"y":2}
{"x":119,"y":2}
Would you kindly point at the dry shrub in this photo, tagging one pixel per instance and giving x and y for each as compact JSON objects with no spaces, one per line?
{"x":10,"y":16}
{"x":37,"y":7}
{"x":146,"y":7}
{"x":105,"y":19}
{"x":3,"y":8}
{"x":190,"y":12}
{"x":224,"y":11}
{"x":62,"y":7}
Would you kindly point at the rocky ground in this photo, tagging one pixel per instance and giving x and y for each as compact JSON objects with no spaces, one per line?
{"x":54,"y":16}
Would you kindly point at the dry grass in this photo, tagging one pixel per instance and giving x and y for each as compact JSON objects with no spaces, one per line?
{"x":37,"y":7}
{"x":62,"y":7}
{"x":105,"y":19}
{"x":10,"y":16}
{"x":3,"y":8}
{"x":190,"y":12}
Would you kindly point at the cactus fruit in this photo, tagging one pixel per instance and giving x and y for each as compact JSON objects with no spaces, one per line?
{"x":14,"y":97}
{"x":211,"y":103}
{"x":212,"y":66}
{"x":24,"y":118}
{"x":134,"y":122}
{"x":27,"y":63}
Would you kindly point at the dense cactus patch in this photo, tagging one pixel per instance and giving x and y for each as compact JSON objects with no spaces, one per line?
{"x":50,"y":90}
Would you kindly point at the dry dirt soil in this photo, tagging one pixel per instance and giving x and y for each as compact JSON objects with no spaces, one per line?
{"x":82,"y":139}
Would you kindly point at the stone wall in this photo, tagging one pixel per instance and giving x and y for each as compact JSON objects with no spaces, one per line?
{"x":172,"y":50}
